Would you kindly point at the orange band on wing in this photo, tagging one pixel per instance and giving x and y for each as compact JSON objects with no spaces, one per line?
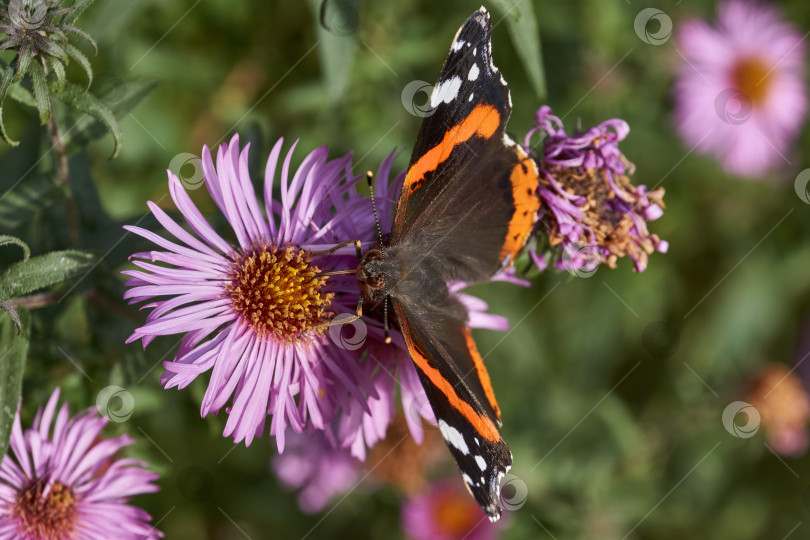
{"x":483,"y":376}
{"x":483,"y":121}
{"x":524,"y":179}
{"x":482,"y":424}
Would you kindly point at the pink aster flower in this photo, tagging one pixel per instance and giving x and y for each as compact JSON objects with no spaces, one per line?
{"x":446,"y":512}
{"x":740,"y":94}
{"x":66,"y":482}
{"x":255,"y":311}
{"x":314,"y":466}
{"x":591,"y":212}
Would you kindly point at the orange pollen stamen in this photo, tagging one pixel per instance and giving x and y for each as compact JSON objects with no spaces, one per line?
{"x":752,"y":77}
{"x":49,"y":517}
{"x":278,"y":292}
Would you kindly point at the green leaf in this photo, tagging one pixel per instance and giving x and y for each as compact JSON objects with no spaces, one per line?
{"x":526,"y":38}
{"x":19,"y":204}
{"x":23,"y":63}
{"x":83,"y":101}
{"x":59,"y":70}
{"x":43,"y":271}
{"x":12,"y":313}
{"x":13,"y":352}
{"x":20,"y":94}
{"x":7,"y":239}
{"x":41,"y":98}
{"x":5,"y":82}
{"x":120,"y":95}
{"x":79,"y":56}
{"x":78,"y":8}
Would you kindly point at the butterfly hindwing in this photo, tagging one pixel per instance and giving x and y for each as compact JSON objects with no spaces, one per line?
{"x":468,"y":419}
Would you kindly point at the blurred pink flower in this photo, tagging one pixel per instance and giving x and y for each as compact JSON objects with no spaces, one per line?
{"x":740,"y":93}
{"x":446,"y":512}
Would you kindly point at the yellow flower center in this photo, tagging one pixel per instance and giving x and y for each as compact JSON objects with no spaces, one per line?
{"x":279,"y":293}
{"x":752,"y":77}
{"x":52,"y":517}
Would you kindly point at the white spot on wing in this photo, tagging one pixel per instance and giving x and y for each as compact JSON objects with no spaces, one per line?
{"x":471,"y":97}
{"x":467,"y":479}
{"x":445,"y":91}
{"x":475,"y":51}
{"x":453,"y":437}
{"x":457,"y":45}
{"x":482,"y":463}
{"x":473,"y":74}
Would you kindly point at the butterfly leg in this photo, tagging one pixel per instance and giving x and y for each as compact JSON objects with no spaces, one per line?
{"x":333,"y":249}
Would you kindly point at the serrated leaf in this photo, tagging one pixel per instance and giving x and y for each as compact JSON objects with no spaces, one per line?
{"x":85,"y":102}
{"x":122,"y":97}
{"x":20,"y":94}
{"x":19,"y":204}
{"x":5,"y":82}
{"x":13,"y":352}
{"x":23,"y":62}
{"x":59,"y":70}
{"x":522,"y":25}
{"x":41,"y":98}
{"x":13,"y":315}
{"x":7,"y":239}
{"x":79,"y":56}
{"x":78,"y":8}
{"x":43,"y":271}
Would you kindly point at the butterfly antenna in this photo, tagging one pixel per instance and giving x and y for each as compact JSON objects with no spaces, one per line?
{"x":370,"y":179}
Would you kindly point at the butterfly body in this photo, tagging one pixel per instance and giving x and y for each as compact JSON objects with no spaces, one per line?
{"x":468,"y":204}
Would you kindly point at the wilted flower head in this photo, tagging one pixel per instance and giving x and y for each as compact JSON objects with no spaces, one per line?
{"x":784,"y":407}
{"x":256,"y":312}
{"x":61,"y":480}
{"x":446,"y":512}
{"x":740,"y":93}
{"x":592,"y":213}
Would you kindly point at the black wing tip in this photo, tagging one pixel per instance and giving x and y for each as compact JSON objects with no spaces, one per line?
{"x":481,"y":17}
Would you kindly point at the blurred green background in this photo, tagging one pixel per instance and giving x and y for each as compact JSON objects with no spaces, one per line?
{"x":612,"y":387}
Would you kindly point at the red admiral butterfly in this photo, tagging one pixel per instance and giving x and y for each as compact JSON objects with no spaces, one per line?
{"x":468,"y":205}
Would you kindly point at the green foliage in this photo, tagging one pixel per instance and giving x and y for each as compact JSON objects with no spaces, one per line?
{"x":13,"y":352}
{"x":43,"y":271}
{"x":612,"y":388}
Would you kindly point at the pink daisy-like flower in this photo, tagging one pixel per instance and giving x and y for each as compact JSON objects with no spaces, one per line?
{"x":446,"y":512}
{"x":591,"y":212}
{"x":740,"y":94}
{"x":256,"y":313}
{"x":66,"y":483}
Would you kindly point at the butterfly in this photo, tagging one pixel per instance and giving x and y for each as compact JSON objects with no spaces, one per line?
{"x":467,"y":207}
